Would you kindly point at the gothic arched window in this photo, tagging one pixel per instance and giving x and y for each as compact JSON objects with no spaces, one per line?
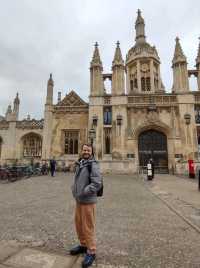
{"x":107,"y":140}
{"x":107,"y":115}
{"x":145,"y":77}
{"x":71,"y":144}
{"x":32,"y":145}
{"x":132,"y":85}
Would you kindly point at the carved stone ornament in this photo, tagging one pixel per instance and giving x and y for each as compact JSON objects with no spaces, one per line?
{"x":144,"y":67}
{"x":152,"y":116}
{"x":72,"y":99}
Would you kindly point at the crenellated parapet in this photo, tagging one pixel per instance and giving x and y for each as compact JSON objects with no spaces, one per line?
{"x":140,"y":51}
{"x":4,"y":124}
{"x":30,"y":124}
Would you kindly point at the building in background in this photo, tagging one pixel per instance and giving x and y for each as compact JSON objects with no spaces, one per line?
{"x":134,"y":122}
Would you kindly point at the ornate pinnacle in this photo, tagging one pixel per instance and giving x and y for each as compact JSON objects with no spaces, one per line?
{"x":96,"y":45}
{"x":9,"y":109}
{"x":118,"y":60}
{"x":16,"y":100}
{"x":178,"y":53}
{"x":50,"y":81}
{"x":140,"y":28}
{"x":139,"y":17}
{"x":96,"y":60}
{"x":198,"y":56}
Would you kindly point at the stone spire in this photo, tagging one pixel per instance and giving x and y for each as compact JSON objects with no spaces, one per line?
{"x":198,"y":66}
{"x":178,"y":53}
{"x":50,"y":85}
{"x":96,"y":76}
{"x":118,"y":60}
{"x":50,"y":81}
{"x":96,"y":60}
{"x":198,"y":57}
{"x":16,"y":102}
{"x":8,"y":114}
{"x":9,"y":109}
{"x":16,"y":106}
{"x":140,"y":29}
{"x":118,"y":68}
{"x":180,"y":72}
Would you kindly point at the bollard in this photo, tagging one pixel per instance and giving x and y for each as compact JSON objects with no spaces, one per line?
{"x":149,"y":172}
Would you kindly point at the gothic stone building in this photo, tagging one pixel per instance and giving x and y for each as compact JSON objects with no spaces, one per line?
{"x":137,"y":120}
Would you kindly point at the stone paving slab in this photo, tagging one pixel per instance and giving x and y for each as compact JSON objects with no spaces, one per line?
{"x":134,"y":228}
{"x":7,"y":250}
{"x":78,"y":262}
{"x":31,"y":258}
{"x":183,"y":188}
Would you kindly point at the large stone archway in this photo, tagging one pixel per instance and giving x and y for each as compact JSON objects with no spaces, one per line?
{"x":153,"y":144}
{"x":158,"y":126}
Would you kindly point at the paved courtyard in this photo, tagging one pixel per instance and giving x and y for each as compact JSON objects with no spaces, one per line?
{"x":135,"y":228}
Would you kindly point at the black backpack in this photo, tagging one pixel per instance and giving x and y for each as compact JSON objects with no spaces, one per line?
{"x":100,"y":191}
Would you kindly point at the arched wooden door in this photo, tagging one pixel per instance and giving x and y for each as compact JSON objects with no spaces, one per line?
{"x":153,"y":144}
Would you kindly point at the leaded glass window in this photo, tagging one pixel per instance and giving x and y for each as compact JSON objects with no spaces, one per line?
{"x":107,"y":115}
{"x":146,"y":83}
{"x":107,"y":140}
{"x":71,"y":143}
{"x":197,"y":114}
{"x":32,"y":145}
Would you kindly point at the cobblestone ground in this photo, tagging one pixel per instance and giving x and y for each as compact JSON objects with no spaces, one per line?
{"x":134,"y":228}
{"x":179,"y":194}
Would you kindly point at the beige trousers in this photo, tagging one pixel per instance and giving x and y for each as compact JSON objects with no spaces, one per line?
{"x":85,"y":218}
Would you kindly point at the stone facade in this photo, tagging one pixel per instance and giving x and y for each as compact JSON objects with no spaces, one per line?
{"x":138,"y":120}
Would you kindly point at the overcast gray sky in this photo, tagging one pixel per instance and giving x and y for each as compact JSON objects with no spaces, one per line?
{"x":38,"y":37}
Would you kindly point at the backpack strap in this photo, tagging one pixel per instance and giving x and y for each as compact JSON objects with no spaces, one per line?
{"x":89,"y":167}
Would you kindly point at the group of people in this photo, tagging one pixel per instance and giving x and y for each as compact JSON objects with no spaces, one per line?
{"x":52,"y":167}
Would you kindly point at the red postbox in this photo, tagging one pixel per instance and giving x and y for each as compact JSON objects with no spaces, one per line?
{"x":191,"y":168}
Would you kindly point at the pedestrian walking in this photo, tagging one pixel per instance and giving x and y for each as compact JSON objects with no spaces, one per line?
{"x":44,"y":168}
{"x":52,"y":166}
{"x":87,"y":183}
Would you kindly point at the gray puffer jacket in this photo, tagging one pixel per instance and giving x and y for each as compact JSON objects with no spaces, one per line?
{"x":84,"y":188}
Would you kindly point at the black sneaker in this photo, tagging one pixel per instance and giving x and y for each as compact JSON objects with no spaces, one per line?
{"x":78,"y":250}
{"x":88,"y":260}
